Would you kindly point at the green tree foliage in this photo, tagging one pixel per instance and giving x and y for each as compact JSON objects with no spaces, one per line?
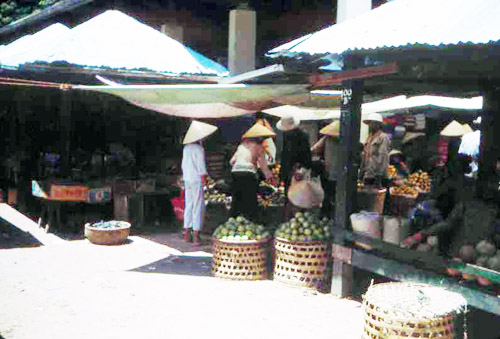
{"x":11,"y":11}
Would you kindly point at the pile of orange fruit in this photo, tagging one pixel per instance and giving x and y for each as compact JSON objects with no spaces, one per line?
{"x":421,"y":180}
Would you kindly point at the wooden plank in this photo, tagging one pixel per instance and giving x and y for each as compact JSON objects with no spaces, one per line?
{"x":405,"y":272}
{"x":339,"y":77}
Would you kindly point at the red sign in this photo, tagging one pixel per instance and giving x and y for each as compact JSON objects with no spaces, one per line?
{"x":69,"y":193}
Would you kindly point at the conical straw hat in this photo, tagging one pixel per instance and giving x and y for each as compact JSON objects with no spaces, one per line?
{"x":453,"y":129}
{"x":467,"y":128}
{"x":258,"y":131}
{"x":332,"y":129}
{"x":197,"y":131}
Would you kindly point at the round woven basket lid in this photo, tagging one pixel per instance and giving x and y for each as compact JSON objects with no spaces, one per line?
{"x":414,"y":301}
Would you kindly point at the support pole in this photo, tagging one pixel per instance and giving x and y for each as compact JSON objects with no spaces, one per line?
{"x":65,"y":132}
{"x":350,"y":120}
{"x":242,"y":37}
{"x":490,"y":138}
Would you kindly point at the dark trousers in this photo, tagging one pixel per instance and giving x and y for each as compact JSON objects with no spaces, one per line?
{"x":244,"y":195}
{"x":328,"y":206}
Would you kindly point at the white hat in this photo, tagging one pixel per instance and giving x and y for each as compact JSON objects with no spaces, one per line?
{"x":377,"y":117}
{"x":197,"y":131}
{"x":395,"y":152}
{"x":453,"y":129}
{"x":288,"y":122}
{"x":467,"y":128}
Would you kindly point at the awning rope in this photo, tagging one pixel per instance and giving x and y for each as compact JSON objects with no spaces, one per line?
{"x":33,"y":83}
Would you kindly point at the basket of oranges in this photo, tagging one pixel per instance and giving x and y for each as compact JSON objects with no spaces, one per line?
{"x":403,"y":199}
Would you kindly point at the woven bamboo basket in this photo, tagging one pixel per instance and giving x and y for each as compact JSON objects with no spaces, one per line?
{"x":401,"y":205}
{"x":407,"y":310}
{"x":108,"y":236}
{"x":300,"y":263}
{"x":243,"y":260}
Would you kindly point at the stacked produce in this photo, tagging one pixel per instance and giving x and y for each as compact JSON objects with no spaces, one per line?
{"x":305,"y":226}
{"x":391,"y":172}
{"x":483,"y":254}
{"x":240,"y":229}
{"x":420,"y":180}
{"x":270,"y":195}
{"x":214,"y":196}
{"x":406,"y":190}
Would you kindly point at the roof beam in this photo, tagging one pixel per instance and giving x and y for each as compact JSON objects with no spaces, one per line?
{"x":323,"y":80}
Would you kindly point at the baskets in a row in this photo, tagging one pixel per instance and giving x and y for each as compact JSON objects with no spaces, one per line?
{"x":295,"y":263}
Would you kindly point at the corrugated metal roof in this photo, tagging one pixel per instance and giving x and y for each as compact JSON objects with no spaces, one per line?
{"x":114,"y":40}
{"x":405,"y":23}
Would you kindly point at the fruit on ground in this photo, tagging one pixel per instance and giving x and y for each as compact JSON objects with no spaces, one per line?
{"x":467,"y":253}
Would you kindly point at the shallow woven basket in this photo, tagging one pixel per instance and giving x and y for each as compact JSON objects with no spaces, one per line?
{"x":108,"y":236}
{"x":244,"y":260}
{"x":396,"y":310}
{"x":300,"y":263}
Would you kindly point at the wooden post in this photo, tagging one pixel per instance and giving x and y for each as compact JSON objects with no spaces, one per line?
{"x":350,"y":120}
{"x":65,"y":132}
{"x":490,"y":147}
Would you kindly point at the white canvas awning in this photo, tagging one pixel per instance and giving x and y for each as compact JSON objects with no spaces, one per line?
{"x":385,"y":106}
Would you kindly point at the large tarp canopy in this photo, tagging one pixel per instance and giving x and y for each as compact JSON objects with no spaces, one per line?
{"x":199,"y":101}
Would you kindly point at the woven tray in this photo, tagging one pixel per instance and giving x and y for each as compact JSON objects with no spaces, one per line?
{"x":300,"y":263}
{"x":244,"y":260}
{"x":406,"y":310}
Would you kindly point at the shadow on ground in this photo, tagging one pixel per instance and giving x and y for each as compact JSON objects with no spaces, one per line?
{"x":179,"y":264}
{"x":13,"y":237}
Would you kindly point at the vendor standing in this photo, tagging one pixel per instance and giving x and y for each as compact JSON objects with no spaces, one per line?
{"x":194,"y":175}
{"x":296,"y":149}
{"x":329,"y":148}
{"x":248,"y":157}
{"x":375,"y":157}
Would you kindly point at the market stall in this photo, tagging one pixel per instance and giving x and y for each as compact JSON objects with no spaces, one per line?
{"x":405,"y":57}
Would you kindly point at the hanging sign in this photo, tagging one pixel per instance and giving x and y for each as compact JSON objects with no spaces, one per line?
{"x":69,"y":193}
{"x":37,"y":191}
{"x":99,"y":195}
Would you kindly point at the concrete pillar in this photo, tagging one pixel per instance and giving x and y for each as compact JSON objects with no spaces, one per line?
{"x":348,"y":9}
{"x":173,"y":30}
{"x":242,"y":36}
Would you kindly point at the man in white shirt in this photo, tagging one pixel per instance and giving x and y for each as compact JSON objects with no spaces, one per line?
{"x":194,"y":175}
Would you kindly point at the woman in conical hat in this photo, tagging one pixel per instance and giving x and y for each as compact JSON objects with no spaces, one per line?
{"x":244,"y":164}
{"x":194,"y":173}
{"x":329,"y":150}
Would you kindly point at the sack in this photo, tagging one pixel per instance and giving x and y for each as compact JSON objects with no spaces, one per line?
{"x":178,"y":206}
{"x":304,"y":191}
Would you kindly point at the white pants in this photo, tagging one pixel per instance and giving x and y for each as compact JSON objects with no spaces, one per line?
{"x":194,"y":205}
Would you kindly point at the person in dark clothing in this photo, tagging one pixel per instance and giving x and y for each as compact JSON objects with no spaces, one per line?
{"x":473,"y":219}
{"x":296,"y":149}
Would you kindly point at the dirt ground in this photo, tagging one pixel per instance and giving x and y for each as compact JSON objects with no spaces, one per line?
{"x":80,"y":290}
